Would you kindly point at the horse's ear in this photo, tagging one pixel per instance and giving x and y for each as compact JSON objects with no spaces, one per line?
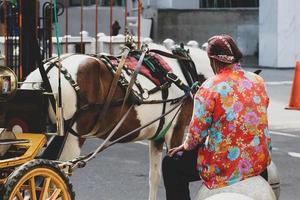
{"x":257,"y":71}
{"x":201,"y":78}
{"x":182,"y":45}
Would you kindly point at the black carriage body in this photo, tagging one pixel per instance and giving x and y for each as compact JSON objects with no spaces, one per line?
{"x":28,"y":109}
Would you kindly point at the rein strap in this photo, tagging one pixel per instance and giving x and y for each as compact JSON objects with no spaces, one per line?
{"x":169,"y":55}
{"x":111,"y":93}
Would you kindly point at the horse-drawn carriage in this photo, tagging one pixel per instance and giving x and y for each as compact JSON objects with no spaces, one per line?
{"x":23,"y":174}
{"x":29,"y":166}
{"x":99,"y":100}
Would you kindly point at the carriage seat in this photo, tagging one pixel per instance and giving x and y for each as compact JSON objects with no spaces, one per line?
{"x":5,"y":135}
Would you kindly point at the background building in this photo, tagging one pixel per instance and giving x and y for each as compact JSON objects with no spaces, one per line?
{"x":265,"y":29}
{"x":199,"y":19}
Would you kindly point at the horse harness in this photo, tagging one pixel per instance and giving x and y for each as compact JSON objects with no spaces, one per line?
{"x":139,"y":96}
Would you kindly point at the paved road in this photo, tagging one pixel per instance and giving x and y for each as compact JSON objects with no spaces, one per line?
{"x":286,"y":155}
{"x":122,"y":171}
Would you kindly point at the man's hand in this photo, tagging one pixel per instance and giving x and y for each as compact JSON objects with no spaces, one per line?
{"x":173,"y":151}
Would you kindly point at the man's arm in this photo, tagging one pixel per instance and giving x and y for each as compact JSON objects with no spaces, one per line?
{"x":204,"y":104}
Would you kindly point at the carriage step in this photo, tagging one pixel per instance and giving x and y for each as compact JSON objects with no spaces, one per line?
{"x":12,"y":142}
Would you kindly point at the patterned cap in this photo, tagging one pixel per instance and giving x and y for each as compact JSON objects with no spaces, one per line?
{"x":223,"y":49}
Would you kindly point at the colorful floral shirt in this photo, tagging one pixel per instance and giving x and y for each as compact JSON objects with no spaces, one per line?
{"x":230,"y":126}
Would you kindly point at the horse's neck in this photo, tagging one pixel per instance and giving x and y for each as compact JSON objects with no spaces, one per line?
{"x":173,"y":63}
{"x":201,"y":61}
{"x":199,"y":57}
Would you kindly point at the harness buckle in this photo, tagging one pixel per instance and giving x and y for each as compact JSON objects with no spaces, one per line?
{"x":145,"y":94}
{"x":63,"y":70}
{"x":172,"y":77}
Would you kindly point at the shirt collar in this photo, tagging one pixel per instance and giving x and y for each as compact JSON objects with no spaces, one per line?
{"x":232,"y":67}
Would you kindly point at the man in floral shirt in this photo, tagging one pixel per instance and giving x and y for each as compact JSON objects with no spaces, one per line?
{"x":228,"y":139}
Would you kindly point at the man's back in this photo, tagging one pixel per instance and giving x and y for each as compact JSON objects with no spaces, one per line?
{"x":231,"y":120}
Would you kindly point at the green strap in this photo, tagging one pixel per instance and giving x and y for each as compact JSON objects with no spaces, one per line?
{"x":166,"y":129}
{"x":14,"y":2}
{"x":150,"y":65}
{"x":56,"y":30}
{"x":163,"y":132}
{"x":146,"y":62}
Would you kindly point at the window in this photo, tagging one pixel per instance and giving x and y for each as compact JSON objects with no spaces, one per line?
{"x":116,"y":2}
{"x":78,"y":2}
{"x":101,"y":2}
{"x":228,"y":3}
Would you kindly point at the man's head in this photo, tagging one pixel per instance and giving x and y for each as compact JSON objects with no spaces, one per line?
{"x":222,"y":52}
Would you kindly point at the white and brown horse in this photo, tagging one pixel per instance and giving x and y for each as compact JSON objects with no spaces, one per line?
{"x":94,"y":80}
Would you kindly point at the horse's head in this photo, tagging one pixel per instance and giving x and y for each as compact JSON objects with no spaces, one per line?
{"x":202,"y":62}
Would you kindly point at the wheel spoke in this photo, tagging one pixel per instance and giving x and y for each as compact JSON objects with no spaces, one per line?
{"x":19,"y":195}
{"x":45,"y":188}
{"x":32,"y":188}
{"x":27,"y":187}
{"x":55,"y":194}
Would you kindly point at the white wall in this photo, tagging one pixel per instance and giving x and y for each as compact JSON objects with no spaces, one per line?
{"x":279,"y":30}
{"x":178,"y":4}
{"x":268,"y":33}
{"x":164,"y":4}
{"x":186,"y":4}
{"x":286,"y":33}
{"x":201,"y":24}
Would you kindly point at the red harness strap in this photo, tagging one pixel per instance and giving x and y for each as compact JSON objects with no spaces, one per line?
{"x":131,"y":63}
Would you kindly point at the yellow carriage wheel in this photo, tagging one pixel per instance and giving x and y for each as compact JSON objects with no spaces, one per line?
{"x":38,"y":180}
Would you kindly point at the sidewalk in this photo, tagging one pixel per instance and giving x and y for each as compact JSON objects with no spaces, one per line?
{"x":280,"y":118}
{"x":269,"y":74}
